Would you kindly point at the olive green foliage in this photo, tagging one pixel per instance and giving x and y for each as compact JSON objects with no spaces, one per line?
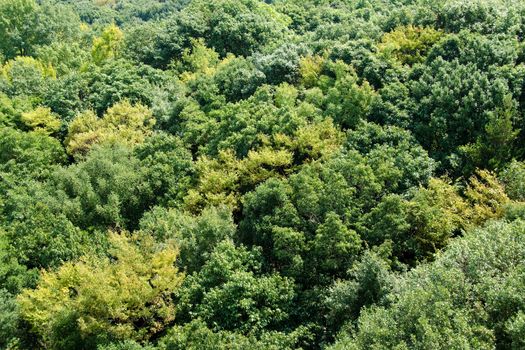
{"x":247,"y":174}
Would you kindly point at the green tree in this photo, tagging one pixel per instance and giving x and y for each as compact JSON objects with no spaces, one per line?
{"x":25,"y":24}
{"x":29,"y":155}
{"x":26,"y":76}
{"x":167,"y":166}
{"x":495,"y":148}
{"x":9,"y":319}
{"x":283,"y":64}
{"x":15,"y":30}
{"x":106,"y":190}
{"x":230,"y":293}
{"x":453,"y":103}
{"x":39,"y":233}
{"x":466,"y":298}
{"x":197,"y":236}
{"x":238,"y":27}
{"x":117,"y":80}
{"x":196,"y":335}
{"x":335,"y":246}
{"x":284,"y":216}
{"x":66,"y":96}
{"x":512,"y":177}
{"x":65,"y":57}
{"x":369,"y":284}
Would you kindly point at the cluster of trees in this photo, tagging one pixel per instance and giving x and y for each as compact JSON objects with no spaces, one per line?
{"x":247,"y":174}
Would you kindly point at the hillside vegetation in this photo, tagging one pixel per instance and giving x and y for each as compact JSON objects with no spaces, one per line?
{"x":253,"y":175}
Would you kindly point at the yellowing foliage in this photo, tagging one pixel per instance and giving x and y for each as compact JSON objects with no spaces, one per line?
{"x":310,"y":69}
{"x":221,"y":179}
{"x":123,"y":123}
{"x":409,"y":45}
{"x":126,"y":297}
{"x":108,"y":45}
{"x":41,"y":120}
{"x":198,"y":60}
{"x":487,"y":197}
{"x":317,"y":140}
{"x":217,"y":183}
{"x":263,"y":164}
{"x":12,"y":67}
{"x":436,"y":212}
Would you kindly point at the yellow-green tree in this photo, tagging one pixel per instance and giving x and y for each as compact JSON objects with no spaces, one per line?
{"x":409,"y":45}
{"x":26,"y":75}
{"x":41,"y":120}
{"x":198,"y":60}
{"x":487,"y":198}
{"x":221,"y":181}
{"x":123,"y":123}
{"x":310,"y":69}
{"x":108,"y":45}
{"x":125,"y":296}
{"x":11,"y":68}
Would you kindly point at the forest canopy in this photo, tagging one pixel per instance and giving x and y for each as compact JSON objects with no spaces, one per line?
{"x":248,"y":174}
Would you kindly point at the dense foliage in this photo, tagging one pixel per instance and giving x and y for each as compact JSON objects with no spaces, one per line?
{"x":248,"y":174}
